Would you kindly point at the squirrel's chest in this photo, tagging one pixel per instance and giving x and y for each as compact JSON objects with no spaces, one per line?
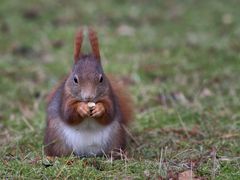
{"x":88,"y":138}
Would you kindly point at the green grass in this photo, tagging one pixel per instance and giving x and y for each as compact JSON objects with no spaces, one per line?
{"x":180,"y":60}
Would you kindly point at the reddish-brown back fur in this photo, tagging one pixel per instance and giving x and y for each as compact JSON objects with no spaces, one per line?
{"x":124,"y":100}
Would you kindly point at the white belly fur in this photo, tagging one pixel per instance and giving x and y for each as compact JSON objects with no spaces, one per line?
{"x":88,"y":138}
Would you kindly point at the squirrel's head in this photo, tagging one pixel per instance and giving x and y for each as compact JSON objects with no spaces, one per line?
{"x":87,"y":81}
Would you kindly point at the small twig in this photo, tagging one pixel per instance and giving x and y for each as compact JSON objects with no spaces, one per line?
{"x":28,"y":124}
{"x":214,"y":158}
{"x":160,"y":161}
{"x":180,"y":153}
{"x":130,"y":135}
{"x":224,"y":158}
{"x":183,"y":125}
{"x":191,"y":177}
{"x":104,"y":154}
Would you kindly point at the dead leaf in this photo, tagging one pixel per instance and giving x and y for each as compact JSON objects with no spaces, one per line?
{"x":5,"y":28}
{"x":27,"y":113}
{"x":163,"y":99}
{"x":57,"y":44}
{"x":192,"y":39}
{"x":70,"y":162}
{"x":187,"y":175}
{"x":21,"y":49}
{"x":227,"y":19}
{"x":48,"y":161}
{"x":206,"y":93}
{"x":230,"y":135}
{"x":175,"y":12}
{"x":5,"y":136}
{"x":35,"y":160}
{"x":180,"y":97}
{"x":31,"y":13}
{"x":146,"y":173}
{"x":172,"y":175}
{"x":50,"y":158}
{"x":126,"y":80}
{"x":125,"y":30}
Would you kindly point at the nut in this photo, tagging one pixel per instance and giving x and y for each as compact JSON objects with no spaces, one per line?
{"x":91,"y":105}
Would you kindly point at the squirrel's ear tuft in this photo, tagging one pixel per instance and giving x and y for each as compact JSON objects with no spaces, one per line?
{"x":92,"y":35}
{"x":78,"y":44}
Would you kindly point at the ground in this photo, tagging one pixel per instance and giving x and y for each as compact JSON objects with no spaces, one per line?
{"x":179,"y":60}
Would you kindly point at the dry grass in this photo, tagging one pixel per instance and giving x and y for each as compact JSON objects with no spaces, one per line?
{"x":179,"y":60}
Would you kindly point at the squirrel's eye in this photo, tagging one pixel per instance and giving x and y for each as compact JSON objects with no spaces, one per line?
{"x":100,"y":78}
{"x":75,"y":79}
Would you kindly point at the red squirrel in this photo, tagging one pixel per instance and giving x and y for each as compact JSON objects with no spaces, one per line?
{"x":75,"y":128}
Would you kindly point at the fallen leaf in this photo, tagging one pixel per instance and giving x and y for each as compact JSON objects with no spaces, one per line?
{"x":172,"y":175}
{"x":70,"y":162}
{"x":175,"y":12}
{"x":230,"y":135}
{"x":50,"y":158}
{"x":146,"y":173}
{"x":125,"y":30}
{"x":5,"y":28}
{"x":192,"y":39}
{"x":206,"y":93}
{"x":31,"y":13}
{"x":187,"y":175}
{"x":180,"y":97}
{"x":57,"y":44}
{"x":21,"y":49}
{"x":35,"y":160}
{"x":227,"y":19}
{"x":126,"y":80}
{"x":48,"y":161}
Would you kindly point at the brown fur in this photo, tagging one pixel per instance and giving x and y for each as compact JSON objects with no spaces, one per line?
{"x":125,"y":101}
{"x":54,"y":144}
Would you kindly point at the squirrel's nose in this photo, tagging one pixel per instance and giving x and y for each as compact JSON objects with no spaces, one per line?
{"x":87,"y":95}
{"x":88,"y":98}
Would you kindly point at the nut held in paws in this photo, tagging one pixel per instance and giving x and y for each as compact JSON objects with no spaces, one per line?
{"x":91,"y":105}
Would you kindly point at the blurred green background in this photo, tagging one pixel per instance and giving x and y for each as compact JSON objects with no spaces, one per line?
{"x":179,"y":59}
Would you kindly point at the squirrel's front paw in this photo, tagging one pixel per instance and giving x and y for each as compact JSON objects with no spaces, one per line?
{"x":98,"y":110}
{"x":83,"y":110}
